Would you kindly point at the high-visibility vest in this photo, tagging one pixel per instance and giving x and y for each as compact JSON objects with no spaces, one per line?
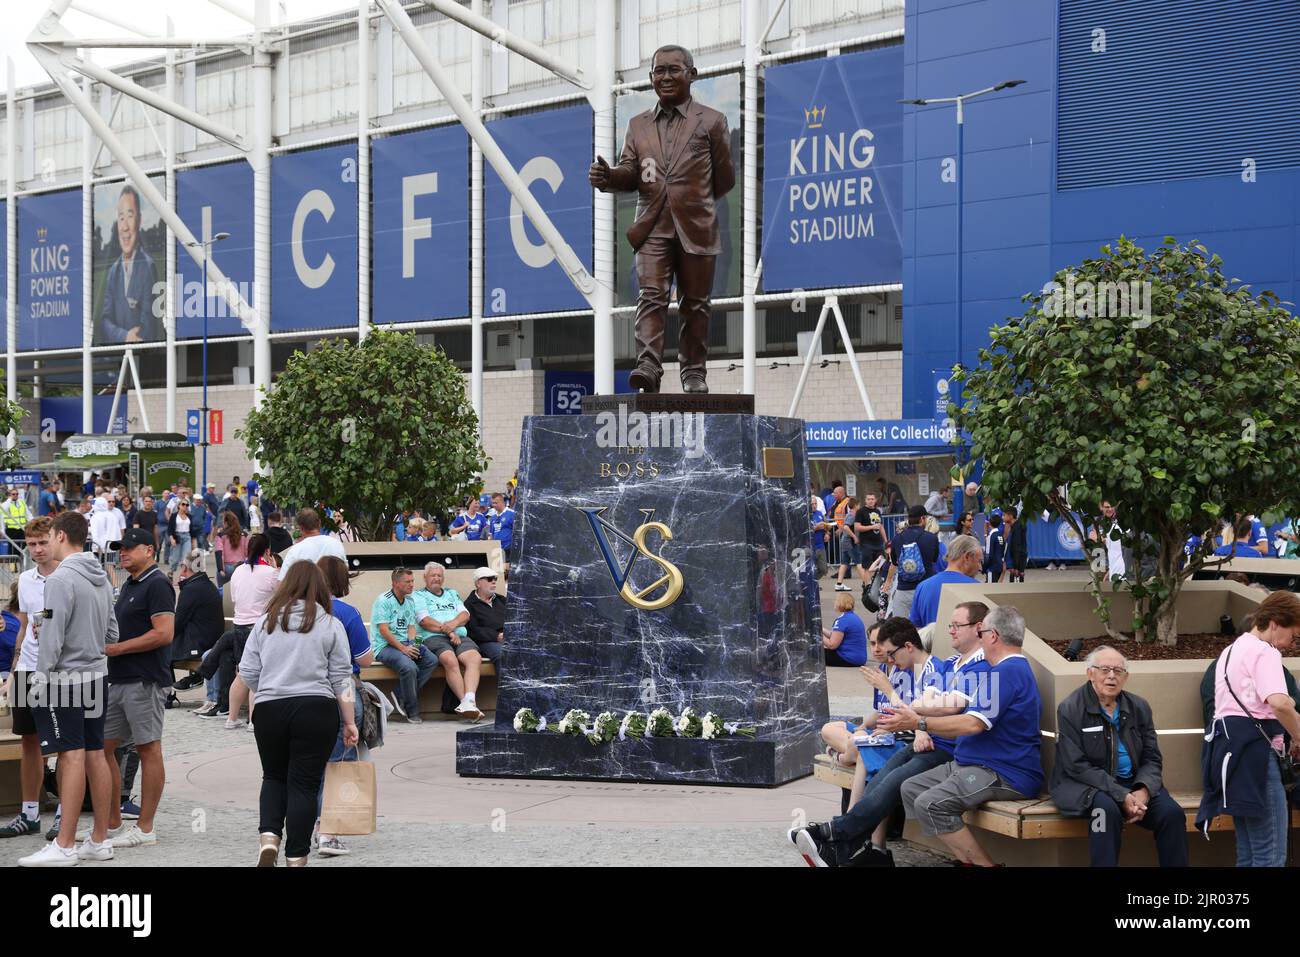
{"x":15,"y":514}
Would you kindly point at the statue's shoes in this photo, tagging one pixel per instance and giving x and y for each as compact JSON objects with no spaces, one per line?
{"x":644,"y":378}
{"x":695,"y":382}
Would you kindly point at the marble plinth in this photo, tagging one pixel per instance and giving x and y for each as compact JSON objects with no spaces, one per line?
{"x":742,"y":638}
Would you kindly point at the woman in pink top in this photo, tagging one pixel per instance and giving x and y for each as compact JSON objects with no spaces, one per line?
{"x":251,"y":586}
{"x":1250,"y":704}
{"x":231,"y":547}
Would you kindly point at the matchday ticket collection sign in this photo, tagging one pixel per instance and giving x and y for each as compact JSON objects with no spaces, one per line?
{"x":831,"y":198}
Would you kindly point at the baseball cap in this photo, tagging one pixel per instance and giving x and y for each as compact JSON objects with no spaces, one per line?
{"x":132,"y":538}
{"x":917,"y":511}
{"x":484,"y":572}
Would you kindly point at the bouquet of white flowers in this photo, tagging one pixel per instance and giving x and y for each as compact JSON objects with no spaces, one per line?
{"x":574,"y":722}
{"x":660,"y":724}
{"x":632,"y":726}
{"x":689,"y":724}
{"x":605,"y":729}
{"x":714,"y":727}
{"x":527,"y":721}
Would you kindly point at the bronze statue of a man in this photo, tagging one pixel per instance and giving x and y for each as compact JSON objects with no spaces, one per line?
{"x":677,"y":155}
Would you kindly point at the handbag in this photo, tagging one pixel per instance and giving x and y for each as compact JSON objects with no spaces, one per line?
{"x":349,"y":805}
{"x":1286,"y":765}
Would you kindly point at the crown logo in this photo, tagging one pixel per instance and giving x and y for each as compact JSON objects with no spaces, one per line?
{"x":41,"y":233}
{"x":815,"y":117}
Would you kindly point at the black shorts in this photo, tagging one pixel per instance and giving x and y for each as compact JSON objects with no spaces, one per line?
{"x":72,"y":717}
{"x":22,"y":714}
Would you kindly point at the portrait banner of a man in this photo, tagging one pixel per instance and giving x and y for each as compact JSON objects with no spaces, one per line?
{"x":129,"y":258}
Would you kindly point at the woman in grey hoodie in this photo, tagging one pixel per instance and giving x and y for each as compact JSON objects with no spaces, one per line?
{"x":298,"y":662}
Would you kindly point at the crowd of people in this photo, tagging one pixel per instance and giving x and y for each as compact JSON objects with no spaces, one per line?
{"x":943,"y":737}
{"x":487,"y":517}
{"x":92,"y":665}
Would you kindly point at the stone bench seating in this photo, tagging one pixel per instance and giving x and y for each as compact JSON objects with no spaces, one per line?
{"x":1031,"y":820}
{"x":431,"y":694}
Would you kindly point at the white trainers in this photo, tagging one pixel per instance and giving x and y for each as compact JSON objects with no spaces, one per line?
{"x":90,"y":851}
{"x":469,"y":709}
{"x":333,"y":847}
{"x":51,"y":855}
{"x":135,"y":838}
{"x":843,"y":588}
{"x":234,"y":724}
{"x":84,"y":833}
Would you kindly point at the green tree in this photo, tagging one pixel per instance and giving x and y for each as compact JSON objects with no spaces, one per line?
{"x":1177,"y":414}
{"x":11,"y":416}
{"x":373,"y":429}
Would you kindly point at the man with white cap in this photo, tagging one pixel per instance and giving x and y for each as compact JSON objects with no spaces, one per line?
{"x":487,"y":615}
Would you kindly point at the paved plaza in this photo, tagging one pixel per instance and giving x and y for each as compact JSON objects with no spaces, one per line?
{"x":430,"y":816}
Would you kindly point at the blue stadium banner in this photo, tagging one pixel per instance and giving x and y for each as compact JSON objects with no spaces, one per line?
{"x":314,"y":239}
{"x":551,"y":151}
{"x":49,"y":271}
{"x":211,"y":200}
{"x":833,"y":172}
{"x":420,"y":190}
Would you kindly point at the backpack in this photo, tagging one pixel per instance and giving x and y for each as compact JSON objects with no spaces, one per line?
{"x":911,"y":566}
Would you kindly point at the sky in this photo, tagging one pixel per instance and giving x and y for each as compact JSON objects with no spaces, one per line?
{"x":190,"y":18}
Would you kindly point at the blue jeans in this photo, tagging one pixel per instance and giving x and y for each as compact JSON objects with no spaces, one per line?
{"x":212,"y":686}
{"x":1261,"y":841}
{"x":179,"y":550}
{"x":882,"y":794}
{"x":341,"y":751}
{"x":412,"y":674}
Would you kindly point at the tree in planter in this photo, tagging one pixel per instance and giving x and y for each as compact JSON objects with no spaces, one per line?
{"x":1176,"y":413}
{"x":11,"y":416}
{"x":373,"y":428}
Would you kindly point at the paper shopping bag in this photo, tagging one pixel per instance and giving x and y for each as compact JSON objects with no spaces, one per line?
{"x":349,"y":805}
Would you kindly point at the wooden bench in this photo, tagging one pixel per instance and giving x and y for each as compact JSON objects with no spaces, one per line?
{"x":11,"y":753}
{"x":431,"y":694}
{"x":1036,"y":819}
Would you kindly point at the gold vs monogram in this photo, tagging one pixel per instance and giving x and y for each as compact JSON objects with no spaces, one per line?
{"x":671,"y":581}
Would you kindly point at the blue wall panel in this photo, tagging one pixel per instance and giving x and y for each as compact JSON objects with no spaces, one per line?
{"x":1019,"y":228}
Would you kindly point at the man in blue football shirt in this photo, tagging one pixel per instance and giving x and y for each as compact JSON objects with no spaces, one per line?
{"x":501,"y":526}
{"x":997,"y":754}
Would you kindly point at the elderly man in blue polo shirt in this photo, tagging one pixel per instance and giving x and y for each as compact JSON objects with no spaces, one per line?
{"x":965,"y":559}
{"x":997,"y":755}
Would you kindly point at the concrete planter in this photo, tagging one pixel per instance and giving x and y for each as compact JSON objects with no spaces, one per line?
{"x":1065,"y":610}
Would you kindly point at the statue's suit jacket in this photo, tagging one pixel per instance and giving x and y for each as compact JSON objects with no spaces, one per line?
{"x":690,"y":181}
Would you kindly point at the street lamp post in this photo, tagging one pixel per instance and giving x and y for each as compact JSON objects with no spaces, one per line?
{"x":203,"y":411}
{"x":960,"y":102}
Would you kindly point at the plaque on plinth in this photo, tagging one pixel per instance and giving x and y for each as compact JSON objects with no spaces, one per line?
{"x":663,"y":559}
